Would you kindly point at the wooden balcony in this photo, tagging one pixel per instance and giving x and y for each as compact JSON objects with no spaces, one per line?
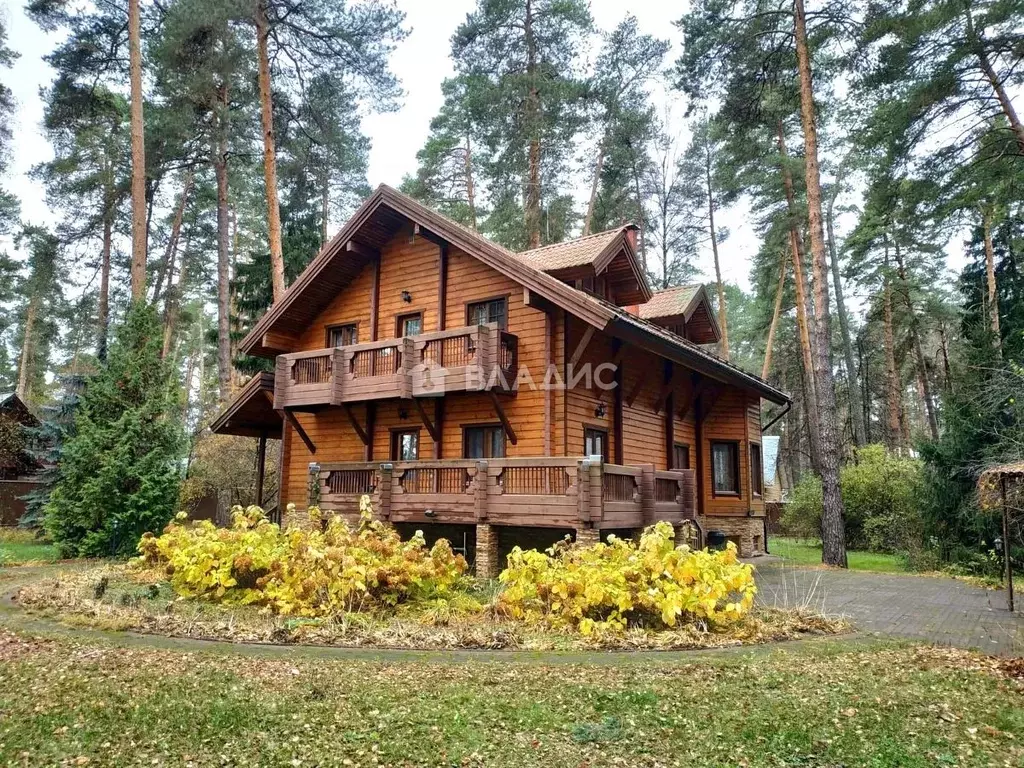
{"x":472,"y":358}
{"x":543,"y":492}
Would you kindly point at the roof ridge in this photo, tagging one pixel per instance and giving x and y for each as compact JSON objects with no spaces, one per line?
{"x":579,"y":239}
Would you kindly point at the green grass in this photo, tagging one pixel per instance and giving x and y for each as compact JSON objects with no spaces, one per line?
{"x":21,"y":546}
{"x":66,"y":702}
{"x":808,"y":552}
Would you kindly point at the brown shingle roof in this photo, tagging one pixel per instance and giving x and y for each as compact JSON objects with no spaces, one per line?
{"x":572,"y":253}
{"x":670,"y":301}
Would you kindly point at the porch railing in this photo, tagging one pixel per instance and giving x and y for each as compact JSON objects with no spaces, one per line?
{"x":556,"y":492}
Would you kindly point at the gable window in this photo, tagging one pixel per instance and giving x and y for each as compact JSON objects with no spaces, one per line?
{"x":483,"y":442}
{"x":490,"y":311}
{"x":343,"y":335}
{"x":680,"y":456}
{"x":595,"y":442}
{"x":405,"y":445}
{"x":725,"y":469}
{"x":756,"y":470}
{"x":410,"y":325}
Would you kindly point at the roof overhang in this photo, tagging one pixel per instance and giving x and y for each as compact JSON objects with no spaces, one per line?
{"x":251,"y":411}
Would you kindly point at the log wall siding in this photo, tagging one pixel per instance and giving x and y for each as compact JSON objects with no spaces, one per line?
{"x":727,"y":422}
{"x":414,"y":267}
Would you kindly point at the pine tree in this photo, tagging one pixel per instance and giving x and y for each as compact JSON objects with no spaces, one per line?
{"x":119,"y":475}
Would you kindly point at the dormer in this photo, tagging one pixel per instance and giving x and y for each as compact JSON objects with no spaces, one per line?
{"x":686,"y":311}
{"x":604,"y":264}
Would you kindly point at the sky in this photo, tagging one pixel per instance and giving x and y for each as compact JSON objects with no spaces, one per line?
{"x":421,"y":62}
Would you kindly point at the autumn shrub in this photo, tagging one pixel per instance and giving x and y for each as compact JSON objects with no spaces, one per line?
{"x":620,"y":584}
{"x":323,"y":571}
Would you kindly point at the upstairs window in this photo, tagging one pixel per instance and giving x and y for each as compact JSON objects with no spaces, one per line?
{"x":725,"y":469}
{"x":595,"y":443}
{"x":343,"y":335}
{"x":490,"y":311}
{"x":405,"y":445}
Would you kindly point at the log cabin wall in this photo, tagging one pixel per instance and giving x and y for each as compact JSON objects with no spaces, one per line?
{"x":413,"y":265}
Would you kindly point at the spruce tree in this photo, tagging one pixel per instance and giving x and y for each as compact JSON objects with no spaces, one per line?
{"x":120,"y":471}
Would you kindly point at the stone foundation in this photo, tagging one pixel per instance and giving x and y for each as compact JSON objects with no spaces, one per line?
{"x":487,"y":565}
{"x":746,"y":532}
{"x":587,"y":536}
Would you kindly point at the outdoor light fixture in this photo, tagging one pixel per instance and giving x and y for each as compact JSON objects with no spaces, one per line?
{"x":429,"y":513}
{"x":406,"y":297}
{"x":599,"y":411}
{"x":403,"y":414}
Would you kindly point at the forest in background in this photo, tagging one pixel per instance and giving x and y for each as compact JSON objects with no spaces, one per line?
{"x":248,"y":141}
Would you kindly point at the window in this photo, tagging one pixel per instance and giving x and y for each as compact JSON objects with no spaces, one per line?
{"x":405,"y":445}
{"x":680,"y":456}
{"x":342,"y":335}
{"x":725,"y":470}
{"x":756,"y":470}
{"x":410,"y":325}
{"x":490,"y":311}
{"x":595,"y":443}
{"x":485,"y":442}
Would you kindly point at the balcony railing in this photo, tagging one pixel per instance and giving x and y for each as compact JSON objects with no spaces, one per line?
{"x":554,"y":492}
{"x":473,"y":358}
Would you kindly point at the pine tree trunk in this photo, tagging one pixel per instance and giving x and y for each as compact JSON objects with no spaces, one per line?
{"x":325,"y":207}
{"x":865,"y":389}
{"x":990,"y":277}
{"x":947,"y":374}
{"x":985,"y":63}
{"x":172,"y":244}
{"x":833,"y":535}
{"x":103,"y":300}
{"x":470,"y":187}
{"x":25,"y":360}
{"x":856,"y":413}
{"x":138,"y":268}
{"x":532,"y":212}
{"x":915,"y":338}
{"x":803,"y":323}
{"x":893,"y":401}
{"x":594,"y":186}
{"x":220,"y":168}
{"x":723,"y":319}
{"x":172,"y":305}
{"x":269,"y":151}
{"x":766,"y":368}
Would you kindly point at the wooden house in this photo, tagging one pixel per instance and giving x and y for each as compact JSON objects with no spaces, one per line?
{"x":500,"y":398}
{"x":19,"y":469}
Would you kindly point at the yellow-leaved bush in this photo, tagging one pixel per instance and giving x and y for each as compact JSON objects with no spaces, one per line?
{"x":318,"y":572}
{"x":621,"y":584}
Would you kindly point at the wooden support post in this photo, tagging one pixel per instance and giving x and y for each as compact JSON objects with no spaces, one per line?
{"x":291,"y":419}
{"x":583,"y":490}
{"x":261,"y":460}
{"x":432,"y":429}
{"x":486,"y":554}
{"x":384,"y":490}
{"x":670,"y":417}
{"x":442,"y":287}
{"x":667,"y":388}
{"x":371,"y":423}
{"x":375,"y":300}
{"x":647,"y":497}
{"x":480,"y":482}
{"x":698,"y":438}
{"x":439,"y":426}
{"x":617,"y":419}
{"x":596,"y":493}
{"x":1007,"y":560}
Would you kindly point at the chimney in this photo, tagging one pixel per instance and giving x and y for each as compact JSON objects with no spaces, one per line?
{"x":631,"y":230}
{"x":633,"y":309}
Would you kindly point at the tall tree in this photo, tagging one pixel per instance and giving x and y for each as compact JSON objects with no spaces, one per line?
{"x":524,"y":56}
{"x":139,"y":205}
{"x":42,"y":293}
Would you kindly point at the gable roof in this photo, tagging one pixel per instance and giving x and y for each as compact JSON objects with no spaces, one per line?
{"x":669,"y":302}
{"x":251,"y":411}
{"x":16,"y":408}
{"x":380,"y":217}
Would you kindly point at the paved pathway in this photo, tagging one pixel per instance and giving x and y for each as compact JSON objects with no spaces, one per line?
{"x":940,"y":610}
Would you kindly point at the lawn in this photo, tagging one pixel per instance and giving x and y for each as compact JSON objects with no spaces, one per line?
{"x":21,"y":546}
{"x":71,"y":702}
{"x":808,"y":552}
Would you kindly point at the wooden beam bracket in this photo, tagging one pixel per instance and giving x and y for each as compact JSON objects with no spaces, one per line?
{"x":432,"y":429}
{"x":499,"y":409}
{"x":364,"y":437}
{"x":588,"y":334}
{"x":291,"y":419}
{"x":426,"y":234}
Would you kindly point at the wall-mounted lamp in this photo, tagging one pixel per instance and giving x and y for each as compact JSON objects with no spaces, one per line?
{"x":403,"y":414}
{"x":406,"y":297}
{"x":599,"y":412}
